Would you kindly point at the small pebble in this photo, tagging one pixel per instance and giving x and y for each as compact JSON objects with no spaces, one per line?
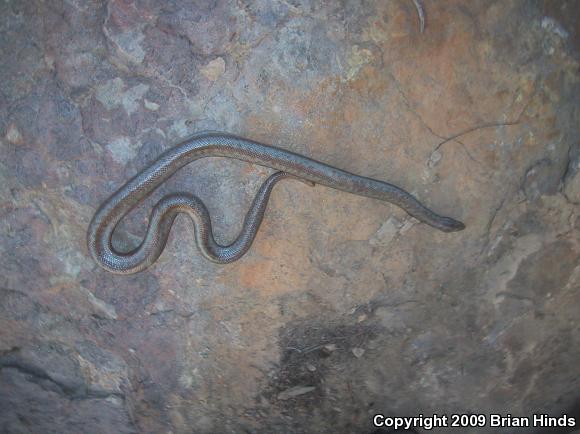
{"x":13,"y":135}
{"x":328,"y":349}
{"x":295,"y":391}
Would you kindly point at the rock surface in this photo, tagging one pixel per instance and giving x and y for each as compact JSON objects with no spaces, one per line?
{"x":344,"y":306}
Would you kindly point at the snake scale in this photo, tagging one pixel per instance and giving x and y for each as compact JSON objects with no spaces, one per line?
{"x":209,"y":144}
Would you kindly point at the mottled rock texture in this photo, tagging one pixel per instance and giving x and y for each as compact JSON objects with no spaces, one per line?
{"x":344,"y":306}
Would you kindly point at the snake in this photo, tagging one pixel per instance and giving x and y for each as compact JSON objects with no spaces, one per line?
{"x":288,"y":165}
{"x":421,"y":14}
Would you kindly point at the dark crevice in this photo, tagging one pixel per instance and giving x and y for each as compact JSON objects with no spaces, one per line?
{"x":38,"y":376}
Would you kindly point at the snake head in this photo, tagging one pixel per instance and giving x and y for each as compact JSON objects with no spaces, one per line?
{"x":451,"y":225}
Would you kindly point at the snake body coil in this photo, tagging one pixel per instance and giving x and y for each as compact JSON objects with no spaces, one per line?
{"x":289,"y":164}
